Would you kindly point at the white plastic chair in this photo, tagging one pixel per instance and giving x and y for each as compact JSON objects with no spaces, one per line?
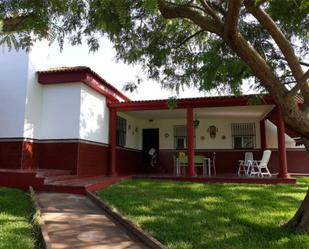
{"x":260,"y":167}
{"x":181,"y":161}
{"x":245,"y":165}
{"x":213,"y":165}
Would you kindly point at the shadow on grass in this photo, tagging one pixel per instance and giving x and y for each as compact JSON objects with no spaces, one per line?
{"x":192,"y":215}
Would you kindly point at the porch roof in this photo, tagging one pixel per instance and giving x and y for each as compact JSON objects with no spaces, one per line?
{"x":225,"y":112}
{"x":218,"y":101}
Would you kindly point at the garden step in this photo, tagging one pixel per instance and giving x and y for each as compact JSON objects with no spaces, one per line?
{"x":78,"y":181}
{"x":51,"y":179}
{"x":42,"y":173}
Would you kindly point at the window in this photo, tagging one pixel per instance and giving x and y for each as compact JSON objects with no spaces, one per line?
{"x":121,"y":131}
{"x":180,"y":137}
{"x":243,"y":135}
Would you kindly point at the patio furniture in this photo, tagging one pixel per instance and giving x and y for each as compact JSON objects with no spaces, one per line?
{"x":260,"y":168}
{"x":199,"y":161}
{"x":181,"y":161}
{"x":245,"y":165}
{"x":212,"y":165}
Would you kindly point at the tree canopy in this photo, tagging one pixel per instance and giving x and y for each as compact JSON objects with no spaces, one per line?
{"x":175,"y":52}
{"x":211,"y":44}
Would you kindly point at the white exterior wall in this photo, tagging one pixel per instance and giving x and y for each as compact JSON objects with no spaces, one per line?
{"x":60,"y":111}
{"x":224,"y":129}
{"x":37,"y":61}
{"x":94,"y":116}
{"x":13,"y":71}
{"x":271,"y":137}
{"x":223,"y":125}
{"x":74,"y":111}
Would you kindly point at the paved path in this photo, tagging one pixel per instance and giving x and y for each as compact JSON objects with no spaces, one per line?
{"x":74,"y":222}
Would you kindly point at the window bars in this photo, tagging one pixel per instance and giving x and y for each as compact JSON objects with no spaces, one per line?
{"x":121,"y":131}
{"x":243,"y":135}
{"x":180,"y":137}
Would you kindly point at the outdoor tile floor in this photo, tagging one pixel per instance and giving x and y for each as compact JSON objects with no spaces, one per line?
{"x":73,"y":221}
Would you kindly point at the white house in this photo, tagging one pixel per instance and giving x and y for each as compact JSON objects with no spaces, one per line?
{"x":70,"y":118}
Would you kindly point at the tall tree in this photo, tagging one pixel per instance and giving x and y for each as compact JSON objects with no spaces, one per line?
{"x":211,"y":44}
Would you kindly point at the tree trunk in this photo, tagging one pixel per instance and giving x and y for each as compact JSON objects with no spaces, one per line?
{"x":296,"y":118}
{"x":300,"y":221}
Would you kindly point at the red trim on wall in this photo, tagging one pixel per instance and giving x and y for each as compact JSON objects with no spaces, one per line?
{"x":81,"y":74}
{"x":129,"y":162}
{"x":190,"y":151}
{"x":221,"y":101}
{"x":283,"y":165}
{"x":227,"y":179}
{"x":59,"y":155}
{"x":297,"y":160}
{"x":112,"y":140}
{"x":80,"y":157}
{"x":227,"y":160}
{"x":11,"y":154}
{"x":30,"y":155}
{"x":92,"y":159}
{"x":20,"y":180}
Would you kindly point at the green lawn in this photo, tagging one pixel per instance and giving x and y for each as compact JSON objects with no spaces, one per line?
{"x":15,"y":212}
{"x":224,"y":216}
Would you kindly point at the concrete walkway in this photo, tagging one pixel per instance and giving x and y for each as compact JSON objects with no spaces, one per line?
{"x":73,"y":221}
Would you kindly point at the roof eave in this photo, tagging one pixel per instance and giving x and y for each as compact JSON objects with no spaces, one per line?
{"x":190,"y":102}
{"x":85,"y":75}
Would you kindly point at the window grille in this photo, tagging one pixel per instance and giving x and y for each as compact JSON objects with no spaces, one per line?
{"x":180,"y":137}
{"x":121,"y":131}
{"x":243,"y":135}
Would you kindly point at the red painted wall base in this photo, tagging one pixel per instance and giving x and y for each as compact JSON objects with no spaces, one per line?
{"x":90,"y":159}
{"x":227,"y":160}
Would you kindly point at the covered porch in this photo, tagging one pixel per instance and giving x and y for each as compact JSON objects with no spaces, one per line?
{"x":209,"y":128}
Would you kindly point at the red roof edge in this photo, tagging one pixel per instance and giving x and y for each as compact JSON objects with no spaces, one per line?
{"x":218,"y":101}
{"x":81,"y":74}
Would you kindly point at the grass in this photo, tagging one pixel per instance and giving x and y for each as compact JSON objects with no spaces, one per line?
{"x":16,"y":231}
{"x":220,"y":216}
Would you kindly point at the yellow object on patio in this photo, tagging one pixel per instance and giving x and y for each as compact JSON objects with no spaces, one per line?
{"x":181,"y":154}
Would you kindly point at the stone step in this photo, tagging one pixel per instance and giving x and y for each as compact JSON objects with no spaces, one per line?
{"x":55,"y":178}
{"x":78,"y":181}
{"x":44,"y":173}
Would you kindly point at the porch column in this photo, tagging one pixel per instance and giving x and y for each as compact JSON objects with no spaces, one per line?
{"x":263,"y":134}
{"x":112,"y":141}
{"x":190,"y":135}
{"x":283,"y":166}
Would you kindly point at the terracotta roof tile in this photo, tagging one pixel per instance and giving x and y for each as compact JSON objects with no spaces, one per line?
{"x":83,"y":69}
{"x":200,"y":98}
{"x":65,"y":69}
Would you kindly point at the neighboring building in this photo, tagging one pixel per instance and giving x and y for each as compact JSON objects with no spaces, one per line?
{"x":71,"y":118}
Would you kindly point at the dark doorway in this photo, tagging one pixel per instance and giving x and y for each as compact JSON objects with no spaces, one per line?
{"x":150,"y":140}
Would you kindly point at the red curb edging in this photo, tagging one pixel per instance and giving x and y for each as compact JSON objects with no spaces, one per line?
{"x":228,"y":180}
{"x":129,"y":225}
{"x":43,"y":228}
